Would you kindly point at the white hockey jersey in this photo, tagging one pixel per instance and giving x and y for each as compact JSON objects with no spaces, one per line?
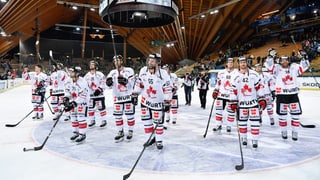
{"x":267,"y":83}
{"x":287,"y":78}
{"x":122,"y":93}
{"x":154,"y":88}
{"x":58,"y":82}
{"x":175,"y":82}
{"x":95,"y":80}
{"x":224,"y":81}
{"x":79,"y":92}
{"x":36,"y":79}
{"x":246,"y":88}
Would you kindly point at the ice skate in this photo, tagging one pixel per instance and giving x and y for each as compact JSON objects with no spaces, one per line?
{"x":149,"y":143}
{"x":271,"y":121}
{"x":74,"y":136}
{"x":159,"y":145}
{"x":92,"y":123}
{"x":174,"y":122}
{"x":294,"y":135}
{"x":167,"y":120}
{"x":255,"y":144}
{"x":56,"y":117}
{"x":40,"y":117}
{"x":217,"y":129}
{"x":81,"y":138}
{"x":103,"y":123}
{"x":35,"y":116}
{"x":67,"y":118}
{"x":284,"y":134}
{"x":119,"y":137}
{"x":228,"y":129}
{"x":244,"y":141}
{"x":129,"y":136}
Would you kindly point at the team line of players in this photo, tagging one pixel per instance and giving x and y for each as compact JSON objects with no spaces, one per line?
{"x":245,"y":93}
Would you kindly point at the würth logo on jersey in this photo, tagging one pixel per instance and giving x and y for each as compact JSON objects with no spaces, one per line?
{"x":287,"y":80}
{"x":151,"y":92}
{"x":246,"y":90}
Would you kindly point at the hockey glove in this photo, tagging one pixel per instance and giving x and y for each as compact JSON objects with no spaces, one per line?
{"x":65,"y":101}
{"x":234,"y":105}
{"x":109,"y":81}
{"x":98,"y":91}
{"x":262,"y":102}
{"x":72,"y":105}
{"x":273,"y":94}
{"x":134,"y":99}
{"x":215,"y":94}
{"x":174,"y":90}
{"x":122,"y":80}
{"x":166,"y":106}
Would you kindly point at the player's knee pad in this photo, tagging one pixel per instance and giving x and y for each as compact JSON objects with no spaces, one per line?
{"x":129,"y":109}
{"x":117,"y":109}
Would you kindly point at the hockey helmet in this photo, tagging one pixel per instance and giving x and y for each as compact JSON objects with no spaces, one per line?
{"x":117,"y":57}
{"x":96,"y":64}
{"x":242,"y":58}
{"x":284,"y":57}
{"x":60,"y":66}
{"x":155,"y":56}
{"x":75,"y":71}
{"x":230,"y":59}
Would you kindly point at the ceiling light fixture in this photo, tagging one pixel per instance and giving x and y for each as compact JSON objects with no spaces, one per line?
{"x":271,"y":12}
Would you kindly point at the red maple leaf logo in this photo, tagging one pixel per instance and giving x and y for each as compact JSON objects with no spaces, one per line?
{"x":227,"y":84}
{"x":245,"y":89}
{"x":151,"y":91}
{"x":93,"y":85}
{"x":287,"y":80}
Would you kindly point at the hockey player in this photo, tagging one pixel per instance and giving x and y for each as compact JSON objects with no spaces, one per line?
{"x":154,"y":85}
{"x":97,"y":85}
{"x":221,"y":93}
{"x":122,"y":81}
{"x":58,"y":80}
{"x":39,"y":82}
{"x":268,"y":88}
{"x":247,"y":98}
{"x":173,"y":112}
{"x":76,"y":101}
{"x":287,"y":91}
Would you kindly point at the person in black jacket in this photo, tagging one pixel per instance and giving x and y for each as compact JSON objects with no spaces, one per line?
{"x":187,"y":84}
{"x":203,"y":86}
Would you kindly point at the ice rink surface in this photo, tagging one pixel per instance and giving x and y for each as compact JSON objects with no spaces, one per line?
{"x":186,"y":154}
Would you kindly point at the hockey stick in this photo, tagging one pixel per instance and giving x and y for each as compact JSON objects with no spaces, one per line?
{"x":239,"y":166}
{"x":126,"y":176}
{"x":16,"y":124}
{"x":307,"y":125}
{"x":205,"y":133}
{"x":37,"y":148}
{"x":49,"y":106}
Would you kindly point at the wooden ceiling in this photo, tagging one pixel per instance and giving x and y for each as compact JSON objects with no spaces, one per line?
{"x":230,"y":24}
